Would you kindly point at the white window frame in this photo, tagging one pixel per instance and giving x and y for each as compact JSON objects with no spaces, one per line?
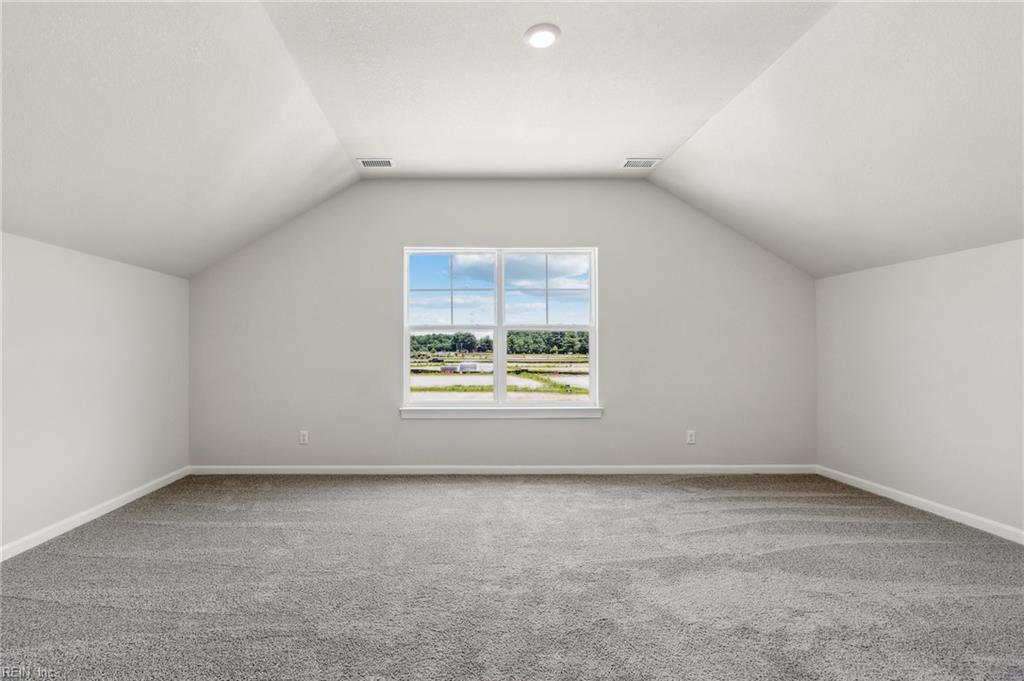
{"x":500,"y":407}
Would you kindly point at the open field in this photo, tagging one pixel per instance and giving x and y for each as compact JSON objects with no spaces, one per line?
{"x":541,"y":365}
{"x":529,"y":376}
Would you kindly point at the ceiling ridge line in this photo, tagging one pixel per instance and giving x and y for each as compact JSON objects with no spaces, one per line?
{"x":309,"y":88}
{"x":321,"y":198}
{"x":736,"y":96}
{"x":726,"y":225}
{"x":284,"y":222}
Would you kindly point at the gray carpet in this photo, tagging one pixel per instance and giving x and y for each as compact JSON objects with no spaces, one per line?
{"x":516,"y":578}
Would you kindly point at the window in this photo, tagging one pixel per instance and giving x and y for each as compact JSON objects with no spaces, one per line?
{"x":503,"y":330}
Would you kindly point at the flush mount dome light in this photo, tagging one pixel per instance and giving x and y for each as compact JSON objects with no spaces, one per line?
{"x":542,"y":35}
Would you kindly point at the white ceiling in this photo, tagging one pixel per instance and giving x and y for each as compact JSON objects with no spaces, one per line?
{"x":451,"y":89}
{"x":887,"y":133}
{"x":170,"y":134}
{"x":163,"y":135}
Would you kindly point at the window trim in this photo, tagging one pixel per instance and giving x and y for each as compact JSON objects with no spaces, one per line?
{"x":499,"y":407}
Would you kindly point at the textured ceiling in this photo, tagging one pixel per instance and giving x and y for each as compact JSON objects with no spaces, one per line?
{"x":168,"y":135}
{"x":164,"y":135}
{"x":451,"y":89}
{"x":887,"y":133}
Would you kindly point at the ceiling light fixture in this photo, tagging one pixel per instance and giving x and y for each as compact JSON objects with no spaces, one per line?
{"x":542,"y":35}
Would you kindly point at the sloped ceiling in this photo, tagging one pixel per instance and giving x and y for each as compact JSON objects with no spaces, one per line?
{"x":168,"y":135}
{"x":889,"y":132}
{"x":451,"y":89}
{"x":165,"y":135}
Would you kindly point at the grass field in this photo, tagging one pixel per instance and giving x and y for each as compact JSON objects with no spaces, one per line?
{"x":528,"y":375}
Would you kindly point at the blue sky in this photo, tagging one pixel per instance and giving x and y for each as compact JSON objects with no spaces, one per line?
{"x":523,"y":271}
{"x":526,"y":270}
{"x":444,"y":270}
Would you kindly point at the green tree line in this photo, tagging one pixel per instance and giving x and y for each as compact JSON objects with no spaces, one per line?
{"x":548,"y":343}
{"x":450,"y":342}
{"x":519,"y":343}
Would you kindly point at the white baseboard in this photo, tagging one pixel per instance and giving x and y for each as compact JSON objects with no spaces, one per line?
{"x":995,"y":527}
{"x":58,"y":528}
{"x":1003,"y":530}
{"x":780,"y":469}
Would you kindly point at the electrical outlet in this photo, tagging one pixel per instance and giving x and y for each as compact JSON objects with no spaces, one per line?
{"x":691,"y":437}
{"x":303,"y":437}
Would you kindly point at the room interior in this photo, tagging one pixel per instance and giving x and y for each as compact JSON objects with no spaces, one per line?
{"x":512,"y":340}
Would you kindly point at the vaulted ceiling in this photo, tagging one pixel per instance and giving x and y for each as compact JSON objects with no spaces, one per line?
{"x":451,"y":89}
{"x":165,"y":135}
{"x":888,"y":132}
{"x":169,"y":135}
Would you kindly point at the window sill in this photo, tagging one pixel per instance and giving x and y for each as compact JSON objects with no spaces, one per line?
{"x":423,"y":412}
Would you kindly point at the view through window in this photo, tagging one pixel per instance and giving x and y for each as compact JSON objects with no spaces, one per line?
{"x":500,"y":326}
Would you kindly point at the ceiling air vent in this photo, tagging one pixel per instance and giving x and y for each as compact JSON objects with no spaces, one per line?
{"x":376,"y":163}
{"x":640,"y":162}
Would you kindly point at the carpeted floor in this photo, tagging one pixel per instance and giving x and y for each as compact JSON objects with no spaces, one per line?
{"x":516,"y":578}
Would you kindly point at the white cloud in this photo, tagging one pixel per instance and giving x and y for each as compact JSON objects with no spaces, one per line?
{"x":524,"y":270}
{"x":474,"y":259}
{"x":473,"y":270}
{"x":440,"y":300}
{"x":474,"y":308}
{"x":568,"y":271}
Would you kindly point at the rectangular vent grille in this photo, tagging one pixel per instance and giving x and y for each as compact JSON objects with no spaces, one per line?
{"x":376,"y":163}
{"x":640,"y":162}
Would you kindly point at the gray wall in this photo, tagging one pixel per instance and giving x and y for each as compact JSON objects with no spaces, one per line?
{"x":95,"y":381}
{"x":919,"y":378}
{"x":918,"y":365}
{"x":303,"y":329}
